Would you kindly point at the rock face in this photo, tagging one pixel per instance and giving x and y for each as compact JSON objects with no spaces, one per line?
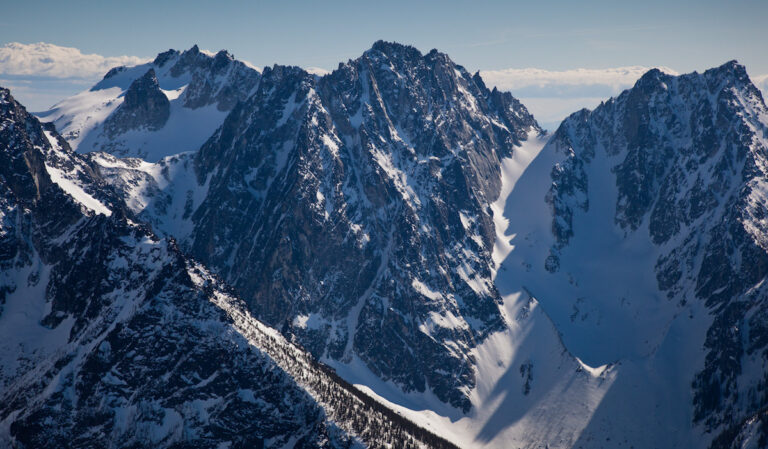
{"x":86,"y":338}
{"x":168,"y":106}
{"x":688,"y":160}
{"x":113,"y":335}
{"x":351,"y":211}
{"x":144,"y":106}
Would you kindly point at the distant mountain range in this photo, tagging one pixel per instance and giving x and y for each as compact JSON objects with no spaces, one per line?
{"x":197,"y":252}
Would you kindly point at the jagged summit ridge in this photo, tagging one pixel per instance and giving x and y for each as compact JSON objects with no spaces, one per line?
{"x":145,"y":106}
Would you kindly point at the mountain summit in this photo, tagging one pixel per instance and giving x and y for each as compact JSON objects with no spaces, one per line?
{"x":168,"y":106}
{"x":656,"y":259}
{"x":351,"y":210}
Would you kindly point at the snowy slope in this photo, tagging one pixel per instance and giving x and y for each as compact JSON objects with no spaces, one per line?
{"x":605,"y":307}
{"x":164,"y":193}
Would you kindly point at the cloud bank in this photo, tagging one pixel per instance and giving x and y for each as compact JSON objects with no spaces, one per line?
{"x":41,"y":74}
{"x":49,"y":60}
{"x":616,"y":78}
{"x":552,"y":95}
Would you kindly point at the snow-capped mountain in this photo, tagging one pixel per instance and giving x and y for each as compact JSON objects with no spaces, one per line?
{"x":168,"y":106}
{"x":647,"y":249}
{"x":351,"y":210}
{"x":111,"y":337}
{"x":599,"y":287}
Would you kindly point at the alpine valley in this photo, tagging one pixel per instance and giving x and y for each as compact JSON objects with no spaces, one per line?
{"x":199,"y":253}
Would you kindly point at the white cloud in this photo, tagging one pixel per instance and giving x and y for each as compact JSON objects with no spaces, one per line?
{"x":49,"y":60}
{"x":550,"y":111}
{"x":552,"y":95}
{"x":317,"y":71}
{"x":761,"y":81}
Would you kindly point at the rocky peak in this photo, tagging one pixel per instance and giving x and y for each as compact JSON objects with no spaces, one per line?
{"x":189,"y":60}
{"x":162,"y":58}
{"x":277,"y":86}
{"x":730,"y":70}
{"x":365,"y":189}
{"x":393,"y":50}
{"x":405,"y":59}
{"x":408,"y":61}
{"x":21,"y":163}
{"x":688,"y":159}
{"x":144,"y":106}
{"x":222,"y":57}
{"x":144,"y":89}
{"x":666,"y":118}
{"x":219,"y":79}
{"x":651,"y":80}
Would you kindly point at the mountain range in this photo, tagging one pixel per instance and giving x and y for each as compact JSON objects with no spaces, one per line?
{"x":196,"y":252}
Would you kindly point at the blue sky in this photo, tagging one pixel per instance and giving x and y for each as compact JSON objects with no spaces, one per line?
{"x":686,"y":35}
{"x":481,"y":35}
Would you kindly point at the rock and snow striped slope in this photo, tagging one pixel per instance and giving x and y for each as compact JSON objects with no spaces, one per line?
{"x":115,"y":336}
